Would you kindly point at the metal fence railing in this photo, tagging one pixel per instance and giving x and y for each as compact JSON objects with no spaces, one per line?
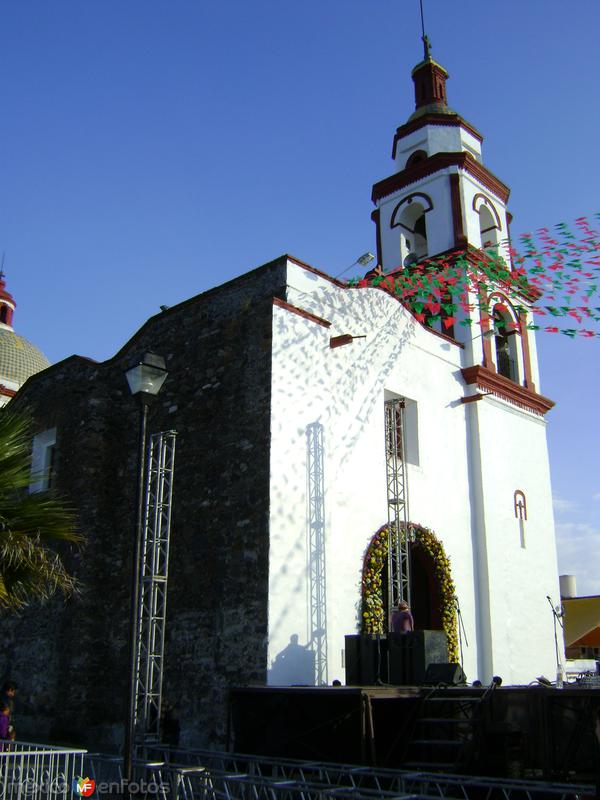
{"x":179,"y":774}
{"x":30,"y":771}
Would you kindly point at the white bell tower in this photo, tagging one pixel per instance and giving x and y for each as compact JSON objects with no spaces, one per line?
{"x":441,"y":201}
{"x":442,"y":208}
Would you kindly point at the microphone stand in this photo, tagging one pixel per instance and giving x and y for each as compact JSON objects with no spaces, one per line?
{"x":557,"y":618}
{"x":378,"y":680}
{"x":461,"y":631}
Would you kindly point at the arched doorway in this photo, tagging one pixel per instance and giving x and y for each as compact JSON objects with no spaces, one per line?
{"x":426,"y":596}
{"x":432,"y":587}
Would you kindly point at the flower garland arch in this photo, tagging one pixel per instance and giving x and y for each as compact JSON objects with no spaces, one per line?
{"x":375,"y":561}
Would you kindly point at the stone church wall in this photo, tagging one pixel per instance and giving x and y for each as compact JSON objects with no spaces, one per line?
{"x":70,"y":659}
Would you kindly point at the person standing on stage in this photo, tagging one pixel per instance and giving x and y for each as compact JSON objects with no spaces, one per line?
{"x":402,"y":619}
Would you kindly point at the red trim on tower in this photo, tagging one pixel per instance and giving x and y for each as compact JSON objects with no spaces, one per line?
{"x":526,"y":352}
{"x":6,"y":391}
{"x":375,"y":217}
{"x":490,"y":206}
{"x":484,"y":319}
{"x":440,"y":161}
{"x":506,"y":389}
{"x":6,"y":302}
{"x":430,"y":84}
{"x":460,"y":240}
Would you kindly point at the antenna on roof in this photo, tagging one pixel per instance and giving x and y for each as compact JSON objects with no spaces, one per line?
{"x":424,"y":37}
{"x":2,"y":266}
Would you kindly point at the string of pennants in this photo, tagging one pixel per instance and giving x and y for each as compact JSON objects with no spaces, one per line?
{"x":555,"y":274}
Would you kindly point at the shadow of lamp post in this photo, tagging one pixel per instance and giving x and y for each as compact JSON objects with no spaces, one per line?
{"x":145,"y":380}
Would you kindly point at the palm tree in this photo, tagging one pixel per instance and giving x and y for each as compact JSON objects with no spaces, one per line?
{"x":31,"y":525}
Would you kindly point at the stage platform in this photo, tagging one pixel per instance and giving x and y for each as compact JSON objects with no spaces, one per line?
{"x":514,"y":731}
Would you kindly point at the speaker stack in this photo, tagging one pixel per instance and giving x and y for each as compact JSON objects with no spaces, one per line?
{"x":400,"y":659}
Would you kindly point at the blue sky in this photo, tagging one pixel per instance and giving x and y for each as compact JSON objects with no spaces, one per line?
{"x":152,"y":150}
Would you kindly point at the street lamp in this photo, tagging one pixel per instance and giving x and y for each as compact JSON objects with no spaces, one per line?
{"x":145,"y":380}
{"x":363,"y":260}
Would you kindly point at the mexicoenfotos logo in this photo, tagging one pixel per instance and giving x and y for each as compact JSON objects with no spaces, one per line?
{"x":84,"y":787}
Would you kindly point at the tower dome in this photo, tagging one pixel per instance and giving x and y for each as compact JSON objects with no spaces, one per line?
{"x":19,"y":359}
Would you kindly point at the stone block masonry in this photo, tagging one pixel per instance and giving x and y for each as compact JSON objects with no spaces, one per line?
{"x":71,"y":658}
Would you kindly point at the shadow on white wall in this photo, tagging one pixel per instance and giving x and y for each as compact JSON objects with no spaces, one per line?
{"x":293,"y":665}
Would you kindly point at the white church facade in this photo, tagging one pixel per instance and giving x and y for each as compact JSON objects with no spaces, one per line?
{"x":277,"y":384}
{"x":476,"y":452}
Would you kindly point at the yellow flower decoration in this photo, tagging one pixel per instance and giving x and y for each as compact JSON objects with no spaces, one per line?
{"x":372,"y":586}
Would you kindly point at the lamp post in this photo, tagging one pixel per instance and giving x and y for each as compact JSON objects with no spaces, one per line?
{"x":145,"y":380}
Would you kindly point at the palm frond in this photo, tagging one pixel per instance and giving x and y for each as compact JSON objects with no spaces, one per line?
{"x":30,"y":525}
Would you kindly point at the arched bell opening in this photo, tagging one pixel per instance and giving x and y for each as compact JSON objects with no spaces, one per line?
{"x":409,"y":216}
{"x":488,"y":230}
{"x":490,"y":225}
{"x":506,"y":353}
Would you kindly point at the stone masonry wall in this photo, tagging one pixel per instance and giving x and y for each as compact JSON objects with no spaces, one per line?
{"x":71,"y":658}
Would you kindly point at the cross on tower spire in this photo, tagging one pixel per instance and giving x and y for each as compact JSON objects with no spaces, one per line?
{"x":424,"y":37}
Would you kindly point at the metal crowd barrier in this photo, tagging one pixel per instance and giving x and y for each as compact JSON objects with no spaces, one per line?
{"x":180,"y":774}
{"x":30,"y":771}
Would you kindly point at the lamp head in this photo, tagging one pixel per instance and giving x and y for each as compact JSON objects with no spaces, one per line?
{"x":147,"y":376}
{"x":365,"y":259}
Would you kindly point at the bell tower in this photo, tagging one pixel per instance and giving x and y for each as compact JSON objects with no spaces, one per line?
{"x":440,"y":203}
{"x":19,"y":359}
{"x":443,"y":250}
{"x":7,"y":304}
{"x":440,"y":195}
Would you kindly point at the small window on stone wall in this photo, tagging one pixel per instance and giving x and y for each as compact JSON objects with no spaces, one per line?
{"x":43,"y":461}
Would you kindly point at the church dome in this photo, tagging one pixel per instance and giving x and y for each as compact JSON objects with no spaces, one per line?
{"x":19,"y":359}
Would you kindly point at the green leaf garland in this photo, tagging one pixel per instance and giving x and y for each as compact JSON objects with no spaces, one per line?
{"x":375,"y":561}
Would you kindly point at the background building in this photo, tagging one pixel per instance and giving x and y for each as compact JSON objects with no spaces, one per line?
{"x":581,"y":621}
{"x":19,"y":359}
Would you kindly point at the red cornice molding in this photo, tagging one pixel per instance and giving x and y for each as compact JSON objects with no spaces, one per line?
{"x":506,"y":389}
{"x":6,"y":391}
{"x":315,"y":271}
{"x":277,"y":301}
{"x":445,"y":120}
{"x":435,"y":163}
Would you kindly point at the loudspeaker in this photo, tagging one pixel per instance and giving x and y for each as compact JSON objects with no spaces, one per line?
{"x":352,"y":660}
{"x":366,"y":660}
{"x":411,"y":653}
{"x":449,"y":674}
{"x":398,"y":658}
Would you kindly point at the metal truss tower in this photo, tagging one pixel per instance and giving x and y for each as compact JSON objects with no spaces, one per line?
{"x":152,"y":600}
{"x":316,"y":550}
{"x":397,"y":504}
